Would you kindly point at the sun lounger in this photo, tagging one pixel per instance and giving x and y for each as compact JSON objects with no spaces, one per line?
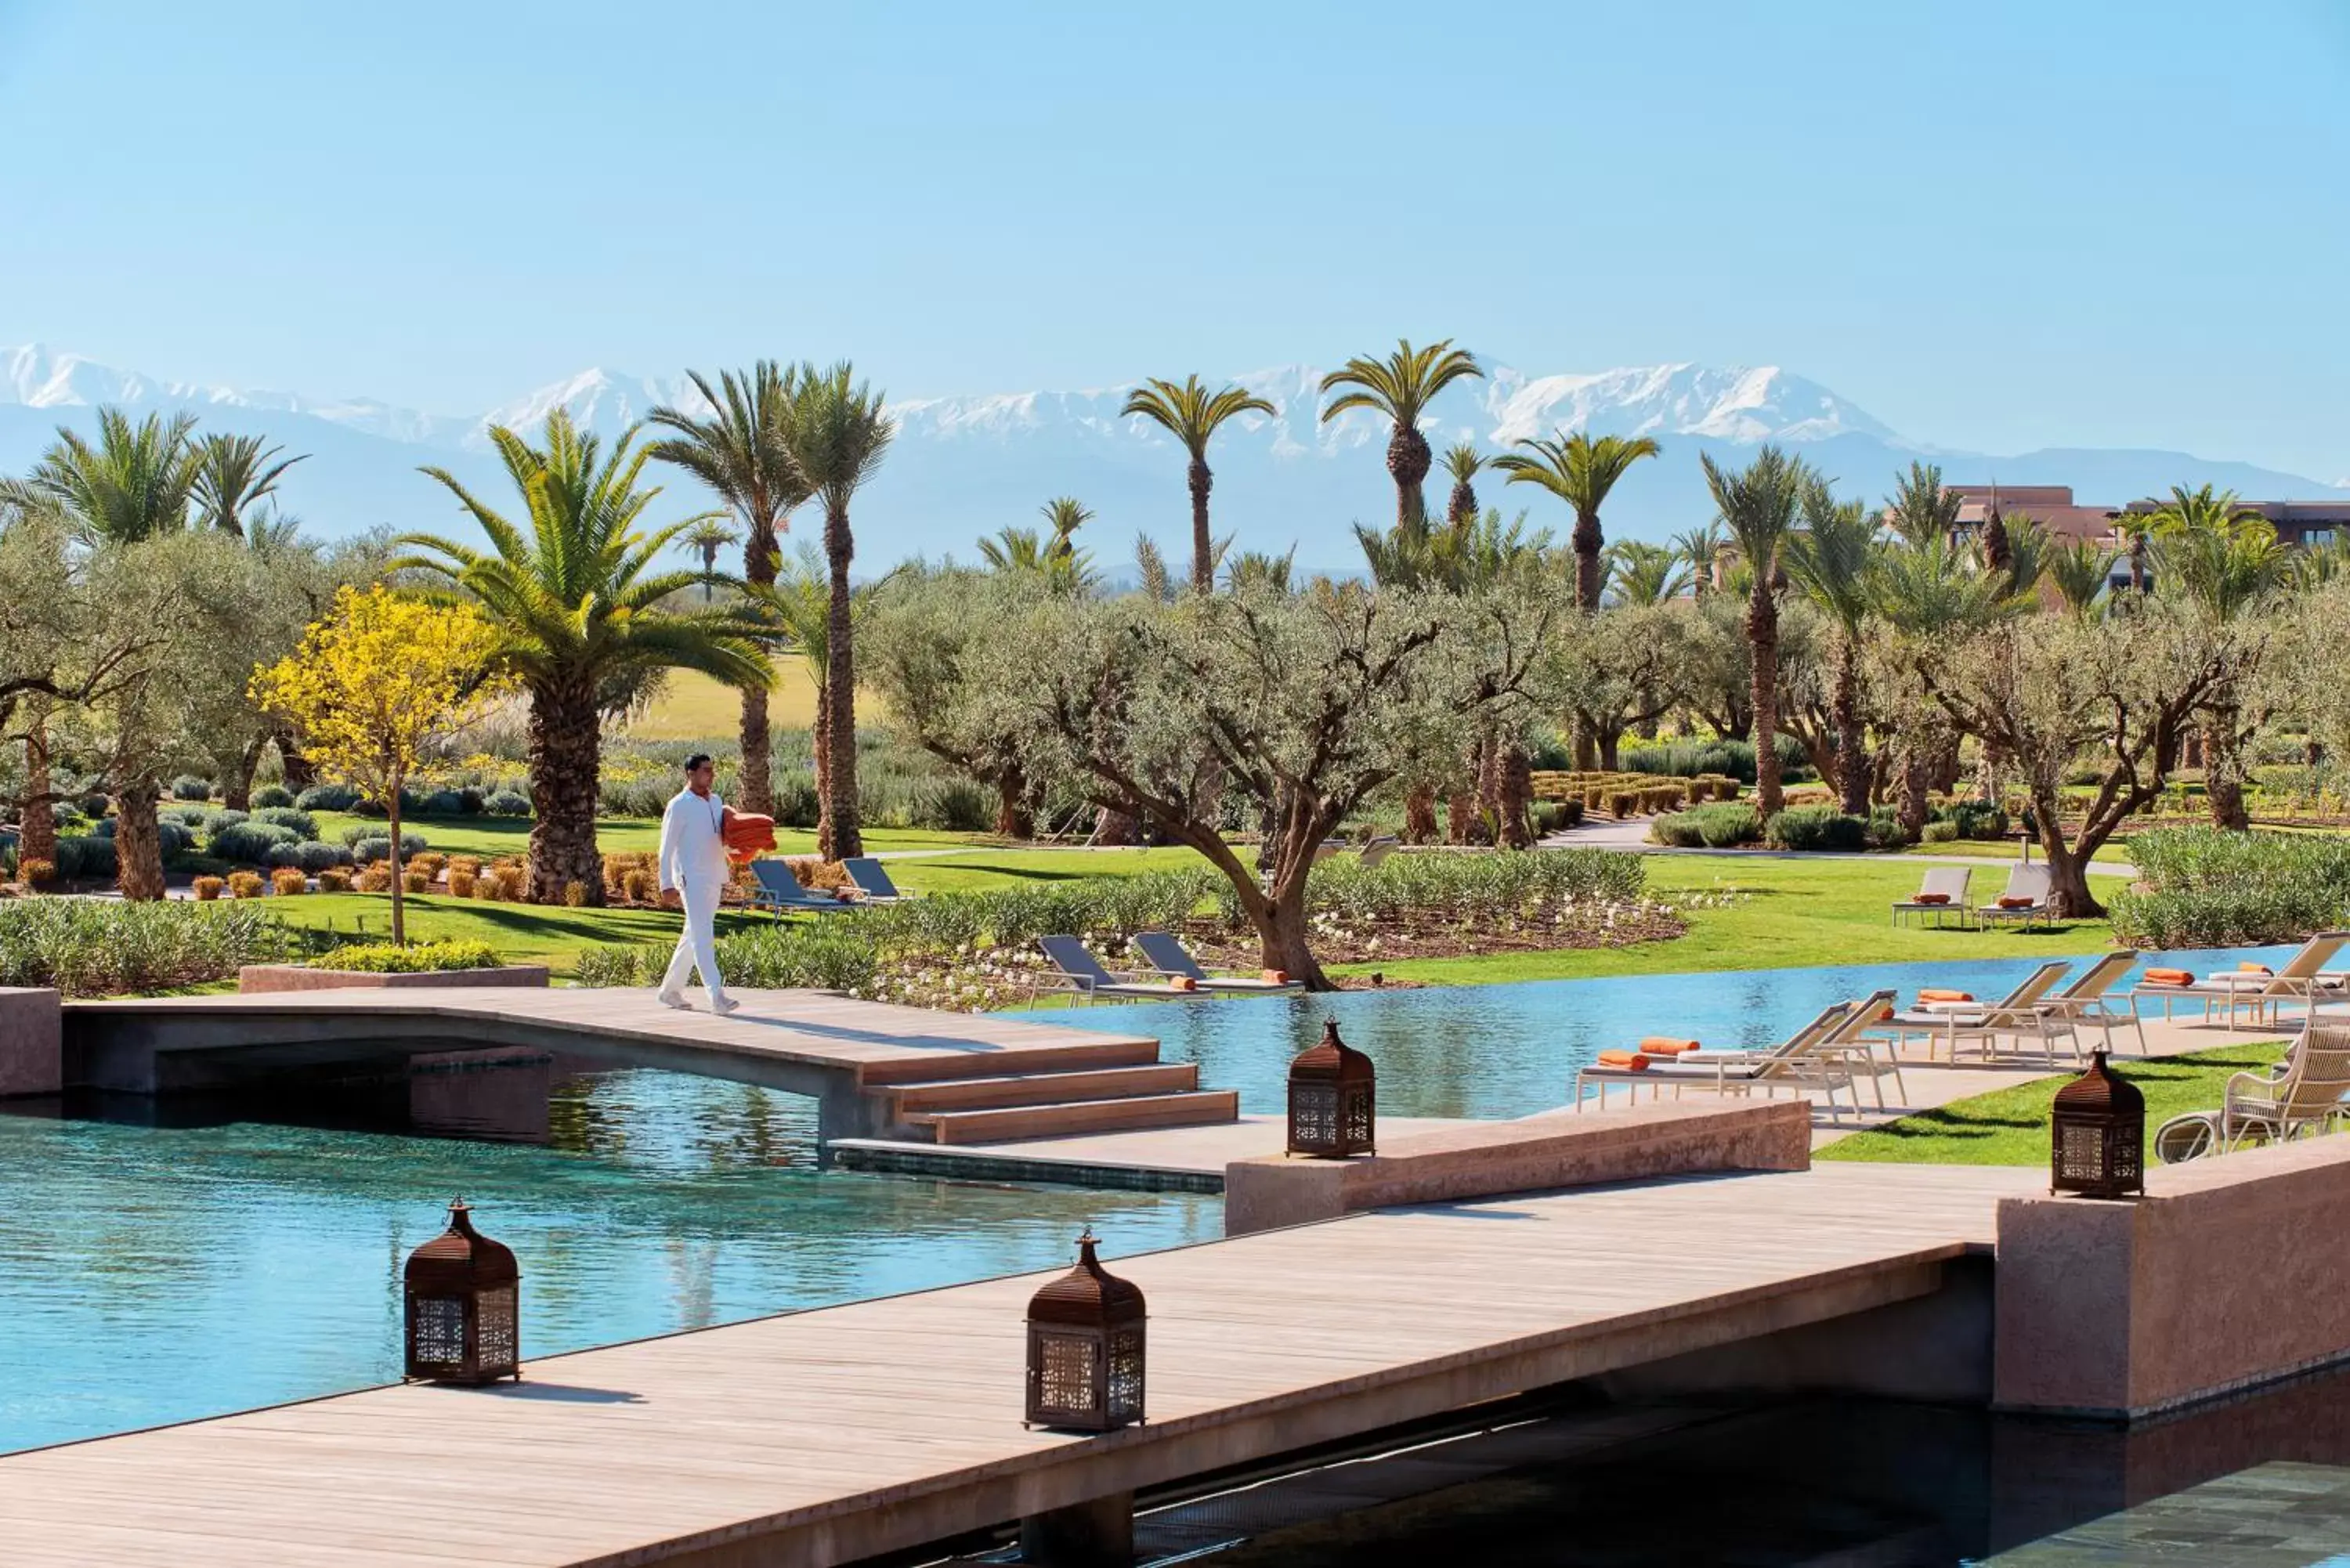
{"x":2021,"y":1011}
{"x":2301,"y":978}
{"x":1165,"y":951}
{"x":2024,"y":883}
{"x":1944,"y":892}
{"x":872,"y":879}
{"x":774,"y":887}
{"x":1818,"y":1055}
{"x":1376,"y":850}
{"x":1078,"y":970}
{"x":2086,"y":999}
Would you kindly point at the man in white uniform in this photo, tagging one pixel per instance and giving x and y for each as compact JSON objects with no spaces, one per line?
{"x":694,"y":872}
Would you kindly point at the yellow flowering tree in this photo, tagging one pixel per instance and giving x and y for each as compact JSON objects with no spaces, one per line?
{"x":378,"y":687}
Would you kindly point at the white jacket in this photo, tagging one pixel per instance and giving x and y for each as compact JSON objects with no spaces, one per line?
{"x":693,"y":842}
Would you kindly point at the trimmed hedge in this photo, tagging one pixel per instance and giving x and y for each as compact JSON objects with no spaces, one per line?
{"x":1815,"y":827}
{"x":188,"y":787}
{"x":272,"y":794}
{"x":1720,"y":825}
{"x":370,"y":847}
{"x":248,"y":843}
{"x":2203,"y":886}
{"x":327,"y":797}
{"x":420,"y":957}
{"x":303,"y":825}
{"x":506,"y":802}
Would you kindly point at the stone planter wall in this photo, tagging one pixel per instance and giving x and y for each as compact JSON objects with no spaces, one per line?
{"x":272,"y":977}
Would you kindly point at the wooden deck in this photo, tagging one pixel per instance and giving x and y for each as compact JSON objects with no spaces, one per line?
{"x":827,"y":1436}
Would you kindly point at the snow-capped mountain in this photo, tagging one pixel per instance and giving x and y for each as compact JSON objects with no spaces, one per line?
{"x":962,"y":466}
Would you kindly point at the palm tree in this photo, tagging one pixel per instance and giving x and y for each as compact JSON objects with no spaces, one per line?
{"x":1832,"y":559}
{"x":2080,"y":572}
{"x":1254,"y":569}
{"x":1997,"y":554}
{"x":1644,"y":574}
{"x":742,"y":451}
{"x":839,"y":434}
{"x":1702,"y":549}
{"x":1055,"y":560}
{"x":572,"y":591}
{"x":2136,"y":531}
{"x":797,"y":610}
{"x":1402,"y":385}
{"x":1922,"y":507}
{"x":1463,"y":463}
{"x":137,"y":482}
{"x":1580,"y":472}
{"x":1190,"y":413}
{"x":2228,"y":562}
{"x":706,"y":538}
{"x":233,"y":474}
{"x":1758,"y":505}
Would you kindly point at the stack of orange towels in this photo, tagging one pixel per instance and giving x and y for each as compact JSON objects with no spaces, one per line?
{"x":748,"y":835}
{"x":2168,"y":977}
{"x":1651,"y":1048}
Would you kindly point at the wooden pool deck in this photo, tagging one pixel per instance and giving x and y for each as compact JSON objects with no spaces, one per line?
{"x":827,"y":1436}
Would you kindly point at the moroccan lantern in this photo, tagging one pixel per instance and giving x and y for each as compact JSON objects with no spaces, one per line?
{"x":2098,"y":1135}
{"x":1085,"y":1349}
{"x":1333,"y":1095}
{"x":463,"y":1306}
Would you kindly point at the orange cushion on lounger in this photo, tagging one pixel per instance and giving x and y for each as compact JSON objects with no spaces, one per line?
{"x":1275,"y":976}
{"x":1930,"y":994}
{"x":1662,"y":1046}
{"x":1931,"y":898}
{"x":1885,"y":1012}
{"x":1631,"y":1061}
{"x":747,"y":834}
{"x":2168,"y":977}
{"x":2015,"y":901}
{"x":2254,"y":969}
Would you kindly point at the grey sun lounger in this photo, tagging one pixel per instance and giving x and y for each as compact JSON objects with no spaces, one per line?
{"x":871,"y":878}
{"x":1165,"y":951}
{"x":1078,"y":970}
{"x":778,"y":890}
{"x":1944,"y":892}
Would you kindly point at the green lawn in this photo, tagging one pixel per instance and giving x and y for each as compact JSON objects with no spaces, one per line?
{"x":996,"y":868}
{"x":495,"y":835}
{"x":1988,"y":849}
{"x":2009,"y":1126}
{"x":521,"y":933}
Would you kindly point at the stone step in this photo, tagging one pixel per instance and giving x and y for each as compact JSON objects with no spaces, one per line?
{"x":1197,"y":1107}
{"x":947,"y":1065}
{"x":1040,"y":1088}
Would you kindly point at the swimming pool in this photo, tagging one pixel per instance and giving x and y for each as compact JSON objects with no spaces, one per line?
{"x":1512,"y":1050}
{"x":158,"y":1273}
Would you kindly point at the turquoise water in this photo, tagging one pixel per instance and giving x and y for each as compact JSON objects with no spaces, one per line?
{"x":153,"y":1274}
{"x":1512,"y":1050}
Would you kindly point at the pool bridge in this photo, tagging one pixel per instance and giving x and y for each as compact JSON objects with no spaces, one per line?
{"x":875,"y":1069}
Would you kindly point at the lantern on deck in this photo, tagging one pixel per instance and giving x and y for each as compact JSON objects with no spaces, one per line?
{"x":1333,"y":1099}
{"x":1085,"y":1349}
{"x":463,"y":1306}
{"x":2098,"y":1135}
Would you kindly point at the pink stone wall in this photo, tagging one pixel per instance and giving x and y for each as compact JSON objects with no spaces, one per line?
{"x":1535,"y":1154}
{"x":32,"y":1060}
{"x":272,"y":977}
{"x":2231,"y":1271}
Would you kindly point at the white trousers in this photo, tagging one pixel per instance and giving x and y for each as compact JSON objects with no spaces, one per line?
{"x":697,"y":945}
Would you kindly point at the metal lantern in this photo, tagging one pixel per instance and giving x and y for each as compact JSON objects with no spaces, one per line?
{"x":1333,"y":1099}
{"x":2098,"y":1135}
{"x":463,"y":1306}
{"x":1085,"y":1349}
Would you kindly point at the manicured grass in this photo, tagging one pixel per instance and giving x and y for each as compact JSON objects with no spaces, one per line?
{"x":521,"y":933}
{"x":1795,"y":913}
{"x":693,"y":707}
{"x":997,"y":867}
{"x":1986,"y":849}
{"x":489,"y":837}
{"x":2009,"y":1126}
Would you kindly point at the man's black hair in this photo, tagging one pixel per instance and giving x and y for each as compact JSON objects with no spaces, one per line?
{"x":699,"y":759}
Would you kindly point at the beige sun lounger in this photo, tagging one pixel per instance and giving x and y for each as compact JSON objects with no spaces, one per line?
{"x":2302,"y":979}
{"x":2022,"y":882}
{"x":1818,"y":1055}
{"x":2024,"y":1011}
{"x":2086,"y":999}
{"x":1946,"y":886}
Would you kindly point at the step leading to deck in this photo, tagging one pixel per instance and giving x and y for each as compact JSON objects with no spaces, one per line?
{"x":1039,"y":1088}
{"x":1195,"y":1107}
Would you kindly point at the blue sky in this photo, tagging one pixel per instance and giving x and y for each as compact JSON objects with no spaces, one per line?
{"x":1994,"y":226}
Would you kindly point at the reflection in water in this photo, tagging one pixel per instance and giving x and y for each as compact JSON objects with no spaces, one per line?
{"x":185,"y":1259}
{"x":1512,"y":1050}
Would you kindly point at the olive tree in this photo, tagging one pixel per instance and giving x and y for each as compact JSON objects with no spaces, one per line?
{"x":1302,"y":705}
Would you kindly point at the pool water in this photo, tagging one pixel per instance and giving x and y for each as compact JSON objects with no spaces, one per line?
{"x":1512,"y":1050}
{"x":153,"y":1274}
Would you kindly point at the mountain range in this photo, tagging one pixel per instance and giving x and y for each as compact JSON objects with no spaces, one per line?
{"x":963,"y":466}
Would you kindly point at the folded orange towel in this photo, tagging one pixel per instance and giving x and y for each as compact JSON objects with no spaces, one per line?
{"x":1276,"y":976}
{"x":1931,"y":898}
{"x":747,"y":835}
{"x":1664,"y":1045}
{"x":2254,"y":969}
{"x":2168,"y":977}
{"x":1632,"y":1061}
{"x":2015,"y":901}
{"x":1182,"y":982}
{"x":1930,"y":994}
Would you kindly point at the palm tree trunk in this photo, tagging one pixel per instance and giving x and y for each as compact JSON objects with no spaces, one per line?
{"x":820,"y":745}
{"x":565,"y":769}
{"x":1852,"y":765}
{"x":1763,"y":636}
{"x":1419,"y":814}
{"x":36,"y":838}
{"x":1203,"y":566}
{"x":1517,"y":797}
{"x":1013,"y":819}
{"x":236,"y":790}
{"x":755,"y":779}
{"x":1588,"y":542}
{"x":1917,"y":781}
{"x":839,"y":838}
{"x":138,"y":846}
{"x":1407,"y":464}
{"x":2223,"y":782}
